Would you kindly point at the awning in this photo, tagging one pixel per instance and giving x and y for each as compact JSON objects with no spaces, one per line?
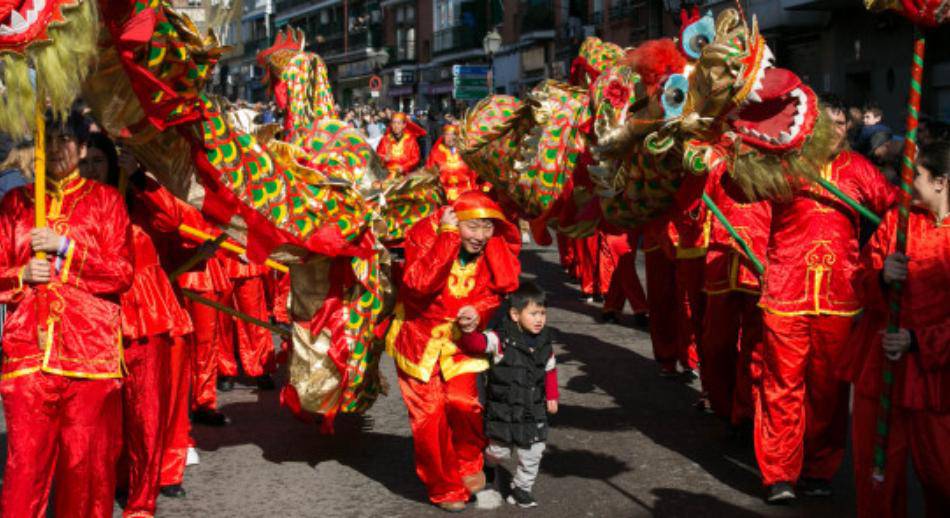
{"x":399,"y":91}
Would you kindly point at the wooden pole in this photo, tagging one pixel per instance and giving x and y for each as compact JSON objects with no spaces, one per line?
{"x":229,"y":246}
{"x":236,"y":314}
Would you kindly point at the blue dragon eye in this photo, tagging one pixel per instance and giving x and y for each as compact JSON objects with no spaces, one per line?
{"x":697,"y":35}
{"x":674,"y":95}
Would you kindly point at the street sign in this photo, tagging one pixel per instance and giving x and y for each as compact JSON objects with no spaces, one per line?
{"x":470,"y":94}
{"x":471,"y":81}
{"x":469,"y":70}
{"x":375,"y":84}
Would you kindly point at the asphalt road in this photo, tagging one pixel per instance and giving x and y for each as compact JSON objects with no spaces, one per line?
{"x":625,"y":443}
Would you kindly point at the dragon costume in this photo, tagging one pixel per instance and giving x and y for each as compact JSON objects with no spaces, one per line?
{"x":311,"y":199}
{"x":632,"y":137}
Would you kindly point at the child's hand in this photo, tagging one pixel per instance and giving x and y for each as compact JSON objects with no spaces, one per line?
{"x":896,"y":344}
{"x":895,"y":268}
{"x":552,"y":406}
{"x":468,"y":319}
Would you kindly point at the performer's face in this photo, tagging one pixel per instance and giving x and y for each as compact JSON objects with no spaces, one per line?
{"x":95,"y":166}
{"x":531,"y":319}
{"x":929,"y":189}
{"x":398,"y":126}
{"x":475,"y":234}
{"x":450,"y":139}
{"x":839,"y":124}
{"x":63,"y":153}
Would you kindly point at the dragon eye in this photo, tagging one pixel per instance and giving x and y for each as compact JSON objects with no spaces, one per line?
{"x":674,"y":95}
{"x":697,"y":35}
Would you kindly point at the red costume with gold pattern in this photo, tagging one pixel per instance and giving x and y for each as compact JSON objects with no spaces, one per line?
{"x":732,"y":330}
{"x":920,"y":415}
{"x":437,"y":379}
{"x":809,"y":305}
{"x":401,"y":156}
{"x":454,"y":174}
{"x":62,"y":389}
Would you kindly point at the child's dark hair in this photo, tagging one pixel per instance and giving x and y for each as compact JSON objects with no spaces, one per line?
{"x":527,"y":293}
{"x":935,"y":157}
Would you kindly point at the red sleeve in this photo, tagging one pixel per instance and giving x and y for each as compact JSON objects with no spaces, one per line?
{"x":103,"y":266}
{"x":550,"y":385}
{"x":867,"y":280}
{"x":875,"y":191}
{"x":164,"y":209}
{"x":11,"y":281}
{"x":474,"y":343}
{"x":382,"y":149}
{"x":933,"y":342}
{"x":430,"y":162}
{"x":429,"y":257}
{"x":412,"y":161}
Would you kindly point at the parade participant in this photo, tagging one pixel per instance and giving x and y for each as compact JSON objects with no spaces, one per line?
{"x":151,"y":318}
{"x":689,"y":234}
{"x":809,"y":304}
{"x":919,"y":424}
{"x":62,"y":341}
{"x":521,"y":388}
{"x":454,"y":173}
{"x":732,"y":329}
{"x":661,"y":298}
{"x":399,"y":149}
{"x":618,"y":263}
{"x":587,"y":252}
{"x":463,"y":257}
{"x":565,"y":252}
{"x":255,"y":345}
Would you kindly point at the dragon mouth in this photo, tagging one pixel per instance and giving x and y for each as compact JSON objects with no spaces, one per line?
{"x":778,"y":113}
{"x":23,"y":22}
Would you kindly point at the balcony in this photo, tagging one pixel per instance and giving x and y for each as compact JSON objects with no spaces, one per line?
{"x":455,"y":39}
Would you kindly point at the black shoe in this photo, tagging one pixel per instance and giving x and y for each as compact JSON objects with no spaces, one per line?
{"x":265,"y":382}
{"x":521,"y":498}
{"x":175,"y":491}
{"x":780,"y":494}
{"x":690,"y":375}
{"x":609,"y":317}
{"x":209,"y":417}
{"x":225,"y":383}
{"x":641,"y":321}
{"x":702,"y":404}
{"x":817,"y":487}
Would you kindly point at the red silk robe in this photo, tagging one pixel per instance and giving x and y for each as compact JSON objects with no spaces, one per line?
{"x":401,"y":156}
{"x":454,"y":174}
{"x":61,"y":397}
{"x":732,"y":329}
{"x":920,"y":415}
{"x":436,"y":377}
{"x":689,"y":235}
{"x":809,"y":306}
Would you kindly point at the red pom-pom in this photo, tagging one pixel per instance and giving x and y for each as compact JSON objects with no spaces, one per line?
{"x":655,"y":60}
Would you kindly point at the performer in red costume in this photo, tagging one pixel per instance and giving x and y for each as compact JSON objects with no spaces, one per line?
{"x":399,"y":149}
{"x":255,"y":346}
{"x":565,"y":250}
{"x":919,"y":424}
{"x":152,"y":318}
{"x":618,"y":264}
{"x":454,"y":174}
{"x":586,"y":253}
{"x":661,"y":298}
{"x":802,"y":409}
{"x":689,"y":234}
{"x":732,"y":331}
{"x":459,"y":261}
{"x":62,"y":340}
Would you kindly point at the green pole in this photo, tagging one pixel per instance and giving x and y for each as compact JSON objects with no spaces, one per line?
{"x":864,"y":211}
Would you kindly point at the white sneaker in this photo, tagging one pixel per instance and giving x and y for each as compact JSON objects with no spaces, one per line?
{"x":192,"y":459}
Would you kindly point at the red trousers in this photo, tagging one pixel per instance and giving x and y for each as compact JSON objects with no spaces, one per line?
{"x":255,"y":346}
{"x":209,"y":333}
{"x":731,"y":353}
{"x":177,"y":428}
{"x":447,"y":433}
{"x":623,"y":281}
{"x":587,"y":271}
{"x":661,"y":299}
{"x":61,"y":429}
{"x":690,"y":308}
{"x":801,"y":414}
{"x":144,"y":406}
{"x":565,"y":250}
{"x":921,"y":434}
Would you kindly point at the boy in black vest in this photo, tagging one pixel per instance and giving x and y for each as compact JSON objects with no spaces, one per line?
{"x":522,"y":385}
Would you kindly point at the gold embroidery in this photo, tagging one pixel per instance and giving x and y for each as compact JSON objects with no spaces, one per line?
{"x":462,"y":279}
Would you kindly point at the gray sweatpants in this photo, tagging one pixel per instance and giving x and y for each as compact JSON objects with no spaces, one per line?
{"x":529,"y":460}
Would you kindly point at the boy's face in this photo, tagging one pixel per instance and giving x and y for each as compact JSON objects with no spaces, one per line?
{"x":531,"y":319}
{"x":871,"y":118}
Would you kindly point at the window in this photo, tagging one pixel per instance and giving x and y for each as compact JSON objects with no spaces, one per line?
{"x":194,"y":3}
{"x":406,"y":44}
{"x":446,"y":14}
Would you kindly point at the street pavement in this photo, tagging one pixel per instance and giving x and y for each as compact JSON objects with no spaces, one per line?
{"x":625,"y":443}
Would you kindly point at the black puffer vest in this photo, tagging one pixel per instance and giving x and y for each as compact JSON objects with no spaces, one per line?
{"x":516,"y":409}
